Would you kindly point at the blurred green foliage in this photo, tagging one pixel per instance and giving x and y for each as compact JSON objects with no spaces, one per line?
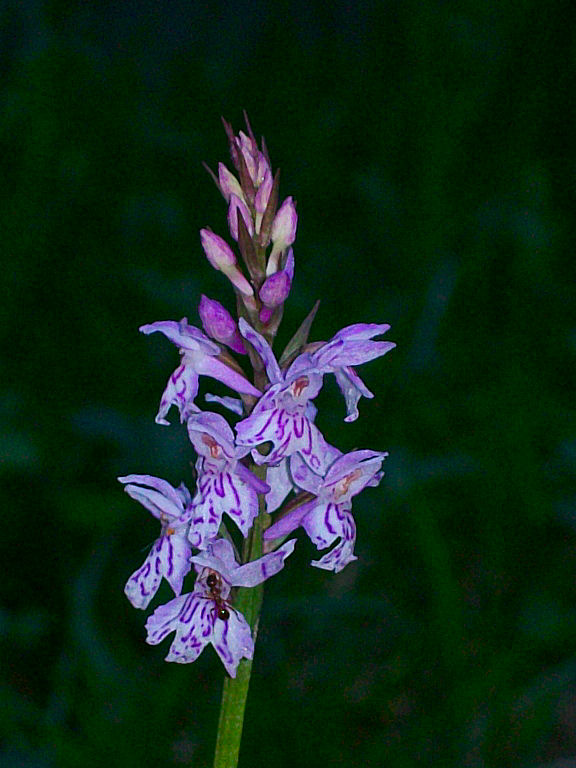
{"x":430,"y":147}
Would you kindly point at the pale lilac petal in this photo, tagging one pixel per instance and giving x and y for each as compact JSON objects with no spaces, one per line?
{"x":194,"y":619}
{"x":180,"y":391}
{"x":210,"y":366}
{"x":353,"y":388}
{"x":248,"y":477}
{"x":218,"y":556}
{"x":162,"y":622}
{"x":231,"y":403}
{"x":352,"y":346}
{"x":326,"y":524}
{"x":303,"y":477}
{"x":250,"y":431}
{"x":193,"y":632}
{"x":218,"y":494}
{"x":280,"y":485}
{"x":155,"y":502}
{"x":177,"y":496}
{"x":190,"y":616}
{"x":183,"y":335}
{"x":175,"y":558}
{"x":143,"y":584}
{"x":232,"y":640}
{"x":199,"y":357}
{"x":211,"y":436}
{"x":351,"y":473}
{"x":169,"y":557}
{"x":338,"y":557}
{"x":264,"y":350}
{"x":241,"y":502}
{"x":257,"y":571}
{"x":290,"y":521}
{"x":288,"y":433}
{"x":301,"y":365}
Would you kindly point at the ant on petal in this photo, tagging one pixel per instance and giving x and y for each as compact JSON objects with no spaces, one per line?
{"x":214,"y":584}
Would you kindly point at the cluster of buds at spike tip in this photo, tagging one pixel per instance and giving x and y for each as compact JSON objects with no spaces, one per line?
{"x":267,"y":462}
{"x":261,"y":231}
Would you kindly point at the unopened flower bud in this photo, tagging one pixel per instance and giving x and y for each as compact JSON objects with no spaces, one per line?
{"x":229,"y":184}
{"x":276,"y":288}
{"x":221,"y":256}
{"x":238,"y":205}
{"x":217,"y":250}
{"x":219,"y":324}
{"x":263,"y":193}
{"x":284,"y":225}
{"x":256,"y":163}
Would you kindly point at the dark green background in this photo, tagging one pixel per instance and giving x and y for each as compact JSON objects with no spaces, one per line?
{"x":430,"y":149}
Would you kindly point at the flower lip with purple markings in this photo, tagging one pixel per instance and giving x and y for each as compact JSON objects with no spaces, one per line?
{"x":199,"y":358}
{"x":205,"y":615}
{"x":169,"y":556}
{"x":281,"y":416}
{"x":225,"y":485}
{"x":328,"y":516}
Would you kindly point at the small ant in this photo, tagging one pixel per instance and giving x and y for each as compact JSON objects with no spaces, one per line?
{"x":214,"y":583}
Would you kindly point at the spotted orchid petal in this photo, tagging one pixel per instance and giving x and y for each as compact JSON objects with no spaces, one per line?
{"x":199,"y":358}
{"x":328,"y":518}
{"x":353,"y":345}
{"x":219,"y":556}
{"x":324,"y":526}
{"x":225,"y":485}
{"x":169,"y":556}
{"x":195,"y":620}
{"x":353,"y":388}
{"x":288,"y":429}
{"x":220,"y":491}
{"x":205,"y":615}
{"x":233,"y":404}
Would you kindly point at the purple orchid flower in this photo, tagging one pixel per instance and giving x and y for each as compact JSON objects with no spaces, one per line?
{"x":352,"y":346}
{"x":283,"y":415}
{"x":199,"y":358}
{"x":328,"y":517}
{"x":224,"y":484}
{"x":206,"y":615}
{"x":169,"y":556}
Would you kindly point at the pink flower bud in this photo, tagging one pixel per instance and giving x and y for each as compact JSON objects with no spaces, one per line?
{"x":237,"y":204}
{"x":256,"y":163}
{"x":217,"y":250}
{"x":276,"y":288}
{"x":284,"y":225}
{"x":221,"y":256}
{"x":219,"y":324}
{"x":229,"y":184}
{"x":263,"y":193}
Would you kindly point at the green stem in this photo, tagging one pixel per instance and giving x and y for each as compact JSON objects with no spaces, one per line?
{"x":235,"y":690}
{"x":234,"y":695}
